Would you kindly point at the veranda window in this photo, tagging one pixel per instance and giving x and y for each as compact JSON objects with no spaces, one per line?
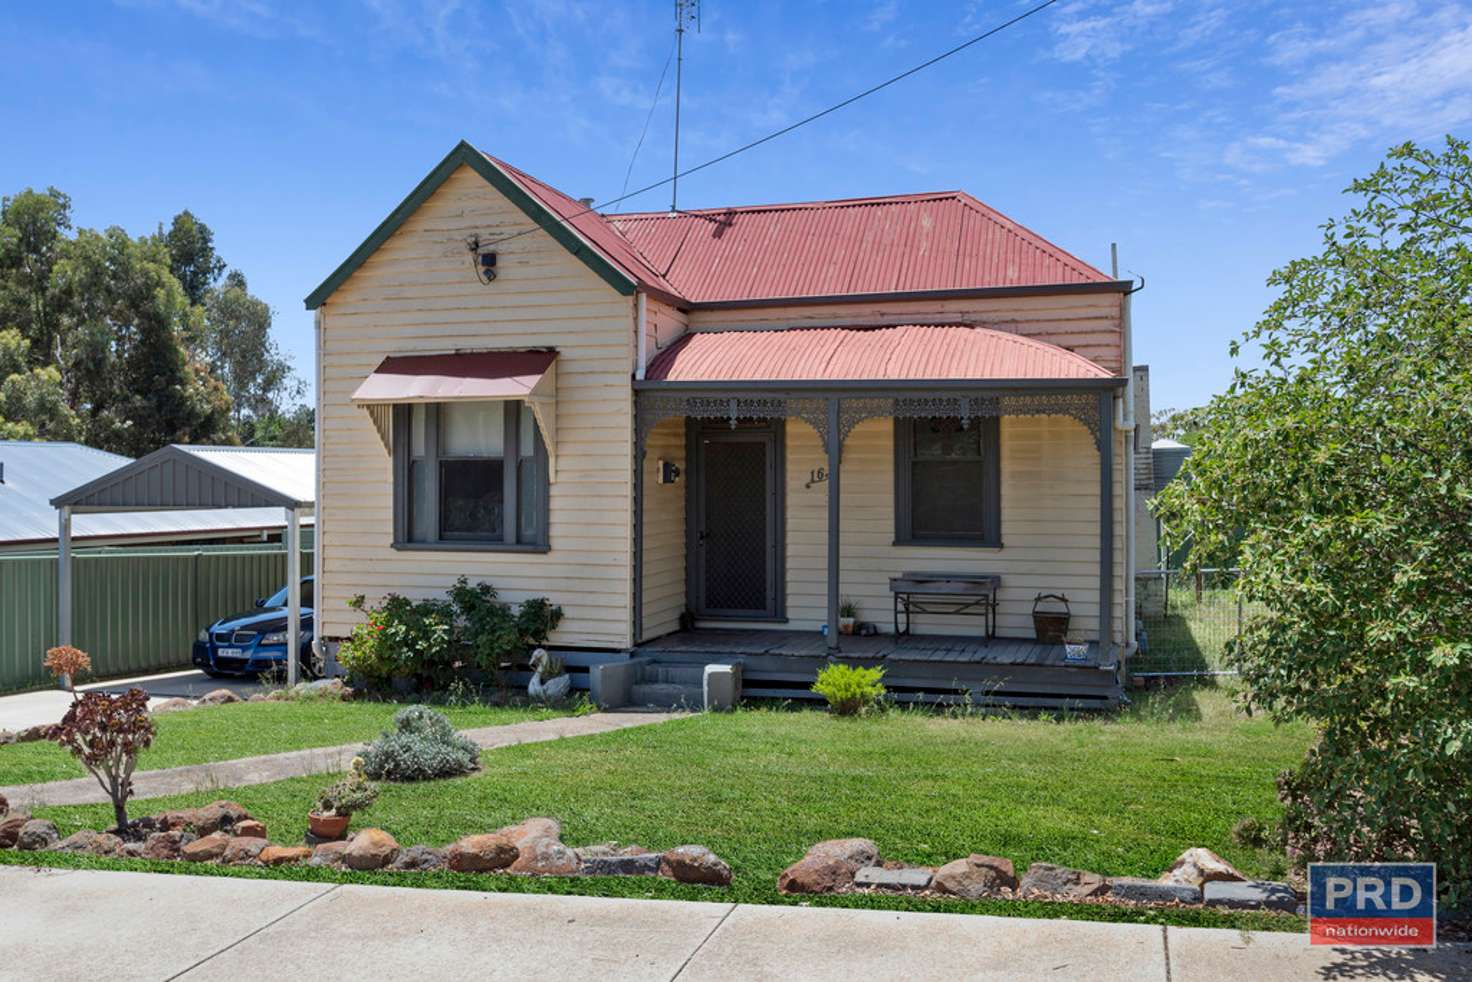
{"x":947,"y":482}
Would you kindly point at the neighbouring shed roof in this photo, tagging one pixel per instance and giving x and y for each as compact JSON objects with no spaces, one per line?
{"x":34,"y":472}
{"x":903,"y":352}
{"x":188,"y":477}
{"x":942,"y":242}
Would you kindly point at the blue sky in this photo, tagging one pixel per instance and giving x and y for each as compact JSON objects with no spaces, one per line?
{"x":1209,"y":139}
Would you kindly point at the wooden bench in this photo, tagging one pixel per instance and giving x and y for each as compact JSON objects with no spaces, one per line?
{"x":959,"y":594}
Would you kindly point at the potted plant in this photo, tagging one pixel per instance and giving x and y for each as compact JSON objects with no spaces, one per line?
{"x":848,"y":614}
{"x":337,"y":803}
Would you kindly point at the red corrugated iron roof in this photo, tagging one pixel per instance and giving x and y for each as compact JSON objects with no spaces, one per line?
{"x":592,"y":226}
{"x":944,"y":241}
{"x":907,"y":351}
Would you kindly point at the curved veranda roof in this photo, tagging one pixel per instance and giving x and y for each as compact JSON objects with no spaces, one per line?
{"x":179,"y":476}
{"x":909,"y":352}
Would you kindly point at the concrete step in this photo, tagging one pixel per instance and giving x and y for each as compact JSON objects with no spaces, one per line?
{"x":673,"y":673}
{"x":665,"y":694}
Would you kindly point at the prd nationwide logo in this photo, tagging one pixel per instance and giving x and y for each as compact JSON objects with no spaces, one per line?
{"x":1372,"y":904}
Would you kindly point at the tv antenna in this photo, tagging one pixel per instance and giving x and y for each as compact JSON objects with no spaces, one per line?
{"x":686,"y":12}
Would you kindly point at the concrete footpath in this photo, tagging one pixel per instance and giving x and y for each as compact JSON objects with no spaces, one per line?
{"x":300,"y":763}
{"x":61,"y":924}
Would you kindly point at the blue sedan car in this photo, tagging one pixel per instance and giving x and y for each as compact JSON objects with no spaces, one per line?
{"x":254,"y":642}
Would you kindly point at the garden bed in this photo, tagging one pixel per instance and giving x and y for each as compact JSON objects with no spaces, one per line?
{"x":758,"y":787}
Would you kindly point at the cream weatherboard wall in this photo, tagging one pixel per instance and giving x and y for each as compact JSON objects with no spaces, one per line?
{"x":664,"y":531}
{"x":418,"y":294}
{"x":1086,"y":323}
{"x":1050,"y":529}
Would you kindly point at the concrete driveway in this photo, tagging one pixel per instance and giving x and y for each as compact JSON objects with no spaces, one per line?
{"x":27,"y":709}
{"x":89,"y":924}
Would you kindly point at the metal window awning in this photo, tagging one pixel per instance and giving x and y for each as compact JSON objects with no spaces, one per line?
{"x":467,"y":376}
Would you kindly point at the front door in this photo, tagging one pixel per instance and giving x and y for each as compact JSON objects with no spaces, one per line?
{"x":736,"y":522}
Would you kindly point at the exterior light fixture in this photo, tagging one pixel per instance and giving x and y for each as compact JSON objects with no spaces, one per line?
{"x":483,"y":262}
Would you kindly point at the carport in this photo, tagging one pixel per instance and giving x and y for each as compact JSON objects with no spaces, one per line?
{"x":180,"y":477}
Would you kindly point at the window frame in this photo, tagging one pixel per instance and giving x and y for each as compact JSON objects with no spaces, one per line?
{"x":991,"y":488}
{"x":510,"y":486}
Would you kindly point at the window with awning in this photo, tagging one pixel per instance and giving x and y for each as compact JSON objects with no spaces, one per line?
{"x":467,"y":377}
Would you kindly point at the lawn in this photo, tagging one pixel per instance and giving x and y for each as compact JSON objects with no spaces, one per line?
{"x":245,"y":729}
{"x":1121,"y":795}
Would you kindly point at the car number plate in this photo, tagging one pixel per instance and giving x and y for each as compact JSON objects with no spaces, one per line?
{"x":230,"y":653}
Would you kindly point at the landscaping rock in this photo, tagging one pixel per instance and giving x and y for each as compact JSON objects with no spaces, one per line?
{"x":481,"y":853}
{"x":370,"y":849}
{"x":205,"y":850}
{"x":881,"y":878}
{"x":545,"y":856}
{"x":10,"y":827}
{"x":257,"y":697}
{"x":6,"y":737}
{"x":37,"y":835}
{"x":695,"y":864}
{"x":249,"y":829}
{"x":172,"y":706}
{"x":1197,"y":867}
{"x":166,"y":845}
{"x":829,"y":866}
{"x":215,"y":817}
{"x":4,"y":806}
{"x":643,"y":864}
{"x":33,"y":733}
{"x":174,"y":821}
{"x":218,"y":697}
{"x":532,"y":828}
{"x":420,"y":858}
{"x":976,"y":876}
{"x":243,"y":851}
{"x":1249,"y":895}
{"x":1153,"y":891}
{"x":92,"y":843}
{"x":1047,"y":880}
{"x":133,"y":850}
{"x":283,"y":855}
{"x":330,"y":853}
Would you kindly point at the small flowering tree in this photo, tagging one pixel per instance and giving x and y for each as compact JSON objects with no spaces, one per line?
{"x":65,"y":663}
{"x":106,"y":733}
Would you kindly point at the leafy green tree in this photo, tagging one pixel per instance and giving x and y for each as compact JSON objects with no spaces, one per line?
{"x":1339,"y":477}
{"x":237,"y":343}
{"x":294,"y":428}
{"x":32,"y":402}
{"x":33,"y":235}
{"x":125,"y":348}
{"x":192,"y":256}
{"x":1180,"y":425}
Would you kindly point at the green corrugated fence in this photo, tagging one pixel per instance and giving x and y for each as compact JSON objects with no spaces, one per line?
{"x":134,"y":610}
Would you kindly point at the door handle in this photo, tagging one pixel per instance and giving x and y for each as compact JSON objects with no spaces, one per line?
{"x":700,"y":537}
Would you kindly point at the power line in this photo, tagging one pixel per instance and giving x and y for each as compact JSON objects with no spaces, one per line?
{"x":645,"y":131}
{"x":792,"y":126}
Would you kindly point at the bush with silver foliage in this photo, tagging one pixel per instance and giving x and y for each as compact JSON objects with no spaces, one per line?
{"x":422,"y":745}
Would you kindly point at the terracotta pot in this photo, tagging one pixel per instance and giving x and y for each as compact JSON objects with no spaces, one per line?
{"x":328,"y":826}
{"x":846,"y":625}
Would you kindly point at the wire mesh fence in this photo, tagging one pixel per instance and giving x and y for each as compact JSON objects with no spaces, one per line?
{"x":1186,"y":621}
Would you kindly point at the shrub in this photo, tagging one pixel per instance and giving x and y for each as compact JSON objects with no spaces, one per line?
{"x":354,"y":793}
{"x":1252,"y":833}
{"x":66,"y":662}
{"x":849,"y":689}
{"x":434,"y":642}
{"x":106,"y":733}
{"x":422,"y":745}
{"x":1337,"y":475}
